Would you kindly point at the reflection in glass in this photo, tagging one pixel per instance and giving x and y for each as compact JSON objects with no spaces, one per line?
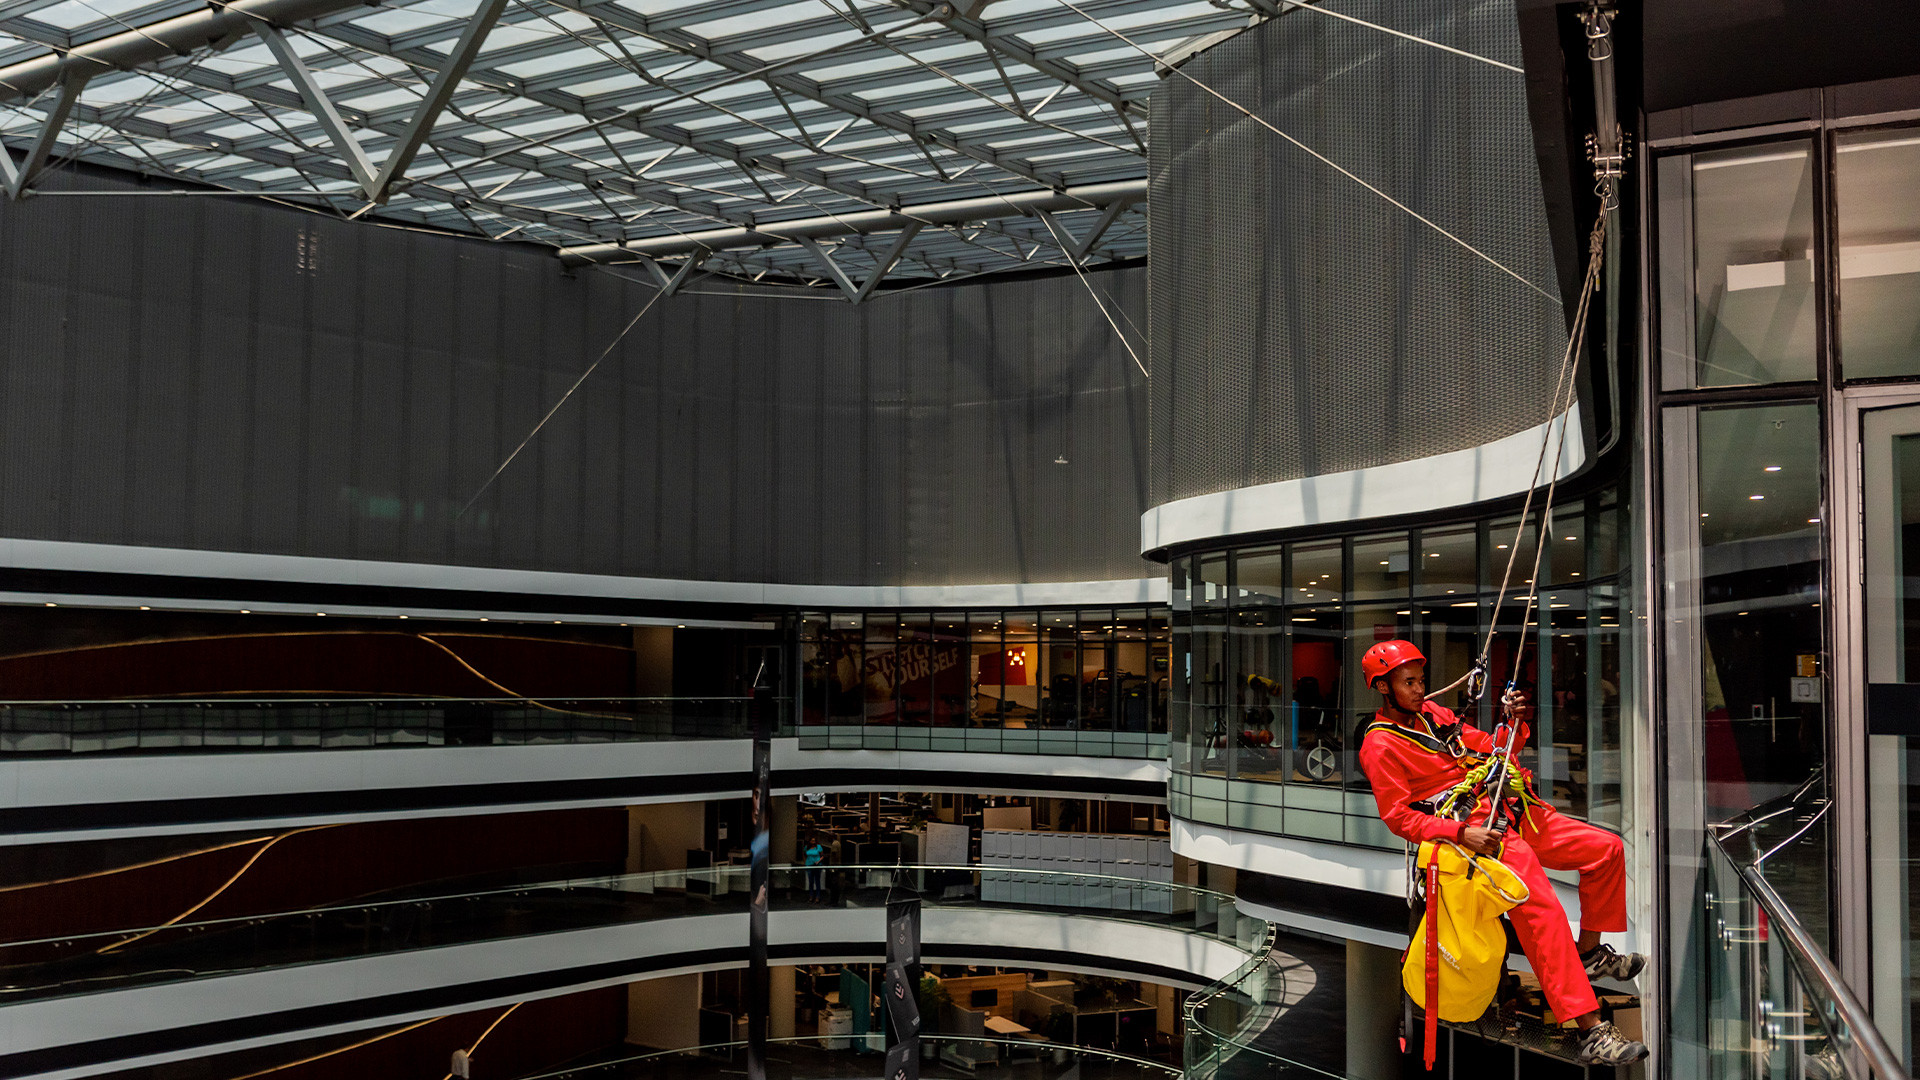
{"x":1317,"y":574}
{"x":992,"y":667}
{"x":1260,"y":673}
{"x":1059,"y":671}
{"x":1752,"y":265}
{"x":1313,"y":717}
{"x":1180,"y":738}
{"x":1759,"y":622}
{"x":1876,"y":176}
{"x":845,"y":657}
{"x":1132,"y":671}
{"x":1381,"y":567}
{"x":1097,"y":669}
{"x":815,"y":671}
{"x":1212,"y":701}
{"x":1449,"y":562}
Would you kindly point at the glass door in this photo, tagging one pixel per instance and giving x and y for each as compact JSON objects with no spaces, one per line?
{"x":1890,"y":477}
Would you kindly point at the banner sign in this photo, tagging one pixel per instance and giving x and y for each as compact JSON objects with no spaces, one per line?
{"x":901,"y":991}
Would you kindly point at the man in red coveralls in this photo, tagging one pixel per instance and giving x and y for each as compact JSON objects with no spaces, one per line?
{"x":1414,"y":753}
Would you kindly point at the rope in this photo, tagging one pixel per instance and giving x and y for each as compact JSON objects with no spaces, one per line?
{"x":1562,"y":402}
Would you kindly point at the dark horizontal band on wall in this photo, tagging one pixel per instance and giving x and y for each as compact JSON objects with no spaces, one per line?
{"x":520,"y":987}
{"x":1038,"y":780}
{"x":1333,"y":903}
{"x":235,"y":809}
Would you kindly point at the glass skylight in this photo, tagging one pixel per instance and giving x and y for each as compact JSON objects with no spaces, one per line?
{"x":583,"y":122}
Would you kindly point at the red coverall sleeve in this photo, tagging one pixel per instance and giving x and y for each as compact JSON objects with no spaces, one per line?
{"x":1392,"y":796}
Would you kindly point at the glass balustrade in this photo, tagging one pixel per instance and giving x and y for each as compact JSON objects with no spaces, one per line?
{"x":1774,"y":1006}
{"x":1228,"y":1023}
{"x":46,"y":728}
{"x":190,"y":949}
{"x":1033,"y":1058}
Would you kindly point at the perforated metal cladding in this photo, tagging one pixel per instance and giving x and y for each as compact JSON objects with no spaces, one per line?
{"x":223,"y":375}
{"x":1302,"y":325}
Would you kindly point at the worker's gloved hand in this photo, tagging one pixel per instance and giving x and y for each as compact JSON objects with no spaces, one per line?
{"x":1517,"y":705}
{"x":1480,"y":841}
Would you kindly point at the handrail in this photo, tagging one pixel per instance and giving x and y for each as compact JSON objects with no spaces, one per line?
{"x":654,"y":1055}
{"x":616,"y":881}
{"x":1814,"y":967}
{"x":1772,"y":808}
{"x":394,"y":699}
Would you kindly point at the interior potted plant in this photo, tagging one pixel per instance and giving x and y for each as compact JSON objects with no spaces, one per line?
{"x":933,"y":999}
{"x":1059,"y":1032}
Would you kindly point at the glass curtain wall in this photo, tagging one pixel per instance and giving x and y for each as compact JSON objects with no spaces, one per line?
{"x":1074,"y":680}
{"x":1268,"y":702}
{"x":1787,"y":275}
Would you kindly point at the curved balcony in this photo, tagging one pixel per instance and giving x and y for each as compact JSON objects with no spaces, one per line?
{"x":144,"y":995}
{"x":95,"y":770}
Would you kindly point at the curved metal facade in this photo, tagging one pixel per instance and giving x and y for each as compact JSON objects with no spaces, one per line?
{"x":220,"y":375}
{"x":1303,"y":325}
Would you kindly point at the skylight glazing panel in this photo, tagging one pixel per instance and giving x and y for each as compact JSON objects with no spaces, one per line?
{"x":395,"y":21}
{"x":73,"y":14}
{"x":505,"y":38}
{"x":385,"y":99}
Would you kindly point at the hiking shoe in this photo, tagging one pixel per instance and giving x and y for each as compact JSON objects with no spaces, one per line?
{"x":1604,"y":1045}
{"x":1604,"y":963}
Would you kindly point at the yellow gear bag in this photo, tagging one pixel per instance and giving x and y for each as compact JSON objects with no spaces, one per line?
{"x":1473,"y":944}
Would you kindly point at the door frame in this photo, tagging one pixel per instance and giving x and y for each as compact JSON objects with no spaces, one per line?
{"x":1846,"y":681}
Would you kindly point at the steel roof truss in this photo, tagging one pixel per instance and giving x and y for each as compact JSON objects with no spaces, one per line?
{"x":438,"y":94}
{"x":320,"y":106}
{"x":17,"y":177}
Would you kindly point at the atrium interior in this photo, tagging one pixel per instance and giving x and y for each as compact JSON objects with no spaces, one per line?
{"x":1013,"y":539}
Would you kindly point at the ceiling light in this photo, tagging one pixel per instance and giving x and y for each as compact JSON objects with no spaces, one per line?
{"x":1773,"y":468}
{"x":1570,"y":538}
{"x":1705,"y":515}
{"x":1755,"y":498}
{"x":244,"y":611}
{"x":1435,"y":554}
{"x":1303,"y":618}
{"x":144,"y":607}
{"x":1502,"y":547}
{"x":1468,"y":603}
{"x":320,"y":614}
{"x":1813,"y":521}
{"x":1403,"y":613}
{"x":1383,"y":562}
{"x":403,"y":616}
{"x":483,"y":618}
{"x":52,"y":604}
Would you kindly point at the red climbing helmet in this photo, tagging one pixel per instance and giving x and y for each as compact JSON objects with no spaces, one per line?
{"x":1388,"y":655}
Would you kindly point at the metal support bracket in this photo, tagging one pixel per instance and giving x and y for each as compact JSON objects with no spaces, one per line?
{"x":674,"y":282}
{"x":859,"y":293}
{"x":320,"y":106}
{"x":17,"y":177}
{"x":438,"y":94}
{"x":1079,"y":248}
